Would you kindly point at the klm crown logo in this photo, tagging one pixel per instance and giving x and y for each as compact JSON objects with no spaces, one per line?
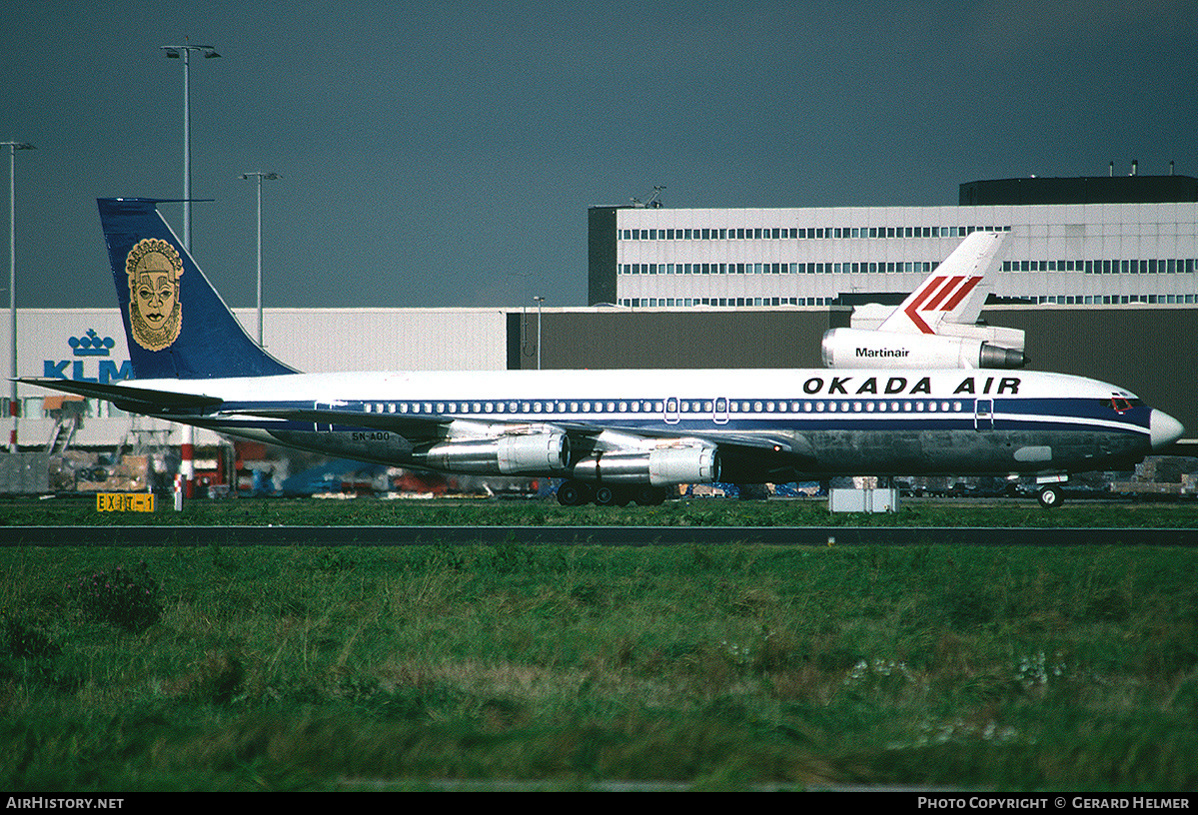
{"x":91,"y":345}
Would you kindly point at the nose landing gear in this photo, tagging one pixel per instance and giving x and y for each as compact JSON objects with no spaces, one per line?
{"x":1051,"y":496}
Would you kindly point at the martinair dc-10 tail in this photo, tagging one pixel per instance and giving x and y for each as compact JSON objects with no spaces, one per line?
{"x":936,"y":326}
{"x":178,"y":327}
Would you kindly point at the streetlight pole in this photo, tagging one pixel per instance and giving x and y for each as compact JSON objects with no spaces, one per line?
{"x":174,"y":52}
{"x":13,"y":405}
{"x":269,"y":177}
{"x":187,"y":465}
{"x":539,"y":300}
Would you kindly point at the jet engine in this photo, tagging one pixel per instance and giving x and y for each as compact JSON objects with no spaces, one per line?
{"x":527,"y":454}
{"x":658,"y":467}
{"x":858,"y":348}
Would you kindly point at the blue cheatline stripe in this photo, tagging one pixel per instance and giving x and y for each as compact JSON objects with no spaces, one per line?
{"x":1009,"y":414}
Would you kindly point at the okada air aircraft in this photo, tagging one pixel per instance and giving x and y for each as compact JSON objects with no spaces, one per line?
{"x":613,"y":436}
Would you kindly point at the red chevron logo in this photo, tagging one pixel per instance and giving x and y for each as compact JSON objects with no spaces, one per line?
{"x":939,"y":294}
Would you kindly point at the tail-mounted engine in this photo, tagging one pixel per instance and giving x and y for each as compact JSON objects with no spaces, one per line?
{"x":858,"y":348}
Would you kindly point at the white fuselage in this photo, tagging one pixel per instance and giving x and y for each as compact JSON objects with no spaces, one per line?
{"x":805,"y":421}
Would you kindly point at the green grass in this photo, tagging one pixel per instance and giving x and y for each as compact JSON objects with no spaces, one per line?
{"x":691,"y":512}
{"x":717,"y":667}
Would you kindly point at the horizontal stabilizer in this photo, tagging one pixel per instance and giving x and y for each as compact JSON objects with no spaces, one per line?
{"x":130,"y":399}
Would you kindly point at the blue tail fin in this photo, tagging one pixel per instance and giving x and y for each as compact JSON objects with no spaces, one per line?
{"x":176,"y":324}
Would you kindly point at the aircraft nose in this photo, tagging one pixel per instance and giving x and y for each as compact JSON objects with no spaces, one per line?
{"x":1163,"y":429}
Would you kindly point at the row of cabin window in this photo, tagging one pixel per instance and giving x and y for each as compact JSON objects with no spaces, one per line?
{"x":682,"y":406}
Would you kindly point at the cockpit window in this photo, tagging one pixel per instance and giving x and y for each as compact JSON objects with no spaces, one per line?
{"x":1120,"y":404}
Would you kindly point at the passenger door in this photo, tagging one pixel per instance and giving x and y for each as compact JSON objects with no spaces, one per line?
{"x":720,"y":414}
{"x":983,"y":414}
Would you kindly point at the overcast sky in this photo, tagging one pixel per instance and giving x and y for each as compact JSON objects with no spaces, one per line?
{"x":445,"y":154}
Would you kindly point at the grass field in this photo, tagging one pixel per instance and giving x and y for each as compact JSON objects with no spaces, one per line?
{"x":717,"y":667}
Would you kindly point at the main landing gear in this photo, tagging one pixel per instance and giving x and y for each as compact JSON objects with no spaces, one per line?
{"x":1051,"y":496}
{"x":573,"y":493}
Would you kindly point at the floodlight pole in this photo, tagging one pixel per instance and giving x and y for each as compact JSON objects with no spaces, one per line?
{"x":173,"y":52}
{"x":187,"y":465}
{"x":269,"y":177}
{"x":14,"y":408}
{"x":539,"y":300}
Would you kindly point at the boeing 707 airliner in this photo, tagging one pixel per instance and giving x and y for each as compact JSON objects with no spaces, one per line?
{"x":612,"y":436}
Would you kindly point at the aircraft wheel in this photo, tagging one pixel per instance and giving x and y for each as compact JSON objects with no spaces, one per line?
{"x":605,"y":496}
{"x":573,"y":494}
{"x":1051,"y":496}
{"x":647,"y":496}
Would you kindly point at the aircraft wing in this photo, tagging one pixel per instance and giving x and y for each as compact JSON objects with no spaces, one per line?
{"x":793,"y":445}
{"x":772,"y":455}
{"x":769,"y":454}
{"x":413,"y":428}
{"x":130,"y":399}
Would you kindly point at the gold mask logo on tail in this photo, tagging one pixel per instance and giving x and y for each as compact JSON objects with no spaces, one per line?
{"x":155,"y":314}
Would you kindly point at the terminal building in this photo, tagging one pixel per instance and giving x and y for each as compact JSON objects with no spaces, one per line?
{"x":1101,"y":274}
{"x":1086,"y":241}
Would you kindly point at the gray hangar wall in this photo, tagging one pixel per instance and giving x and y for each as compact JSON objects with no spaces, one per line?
{"x":1147,"y":350}
{"x":694,"y":338}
